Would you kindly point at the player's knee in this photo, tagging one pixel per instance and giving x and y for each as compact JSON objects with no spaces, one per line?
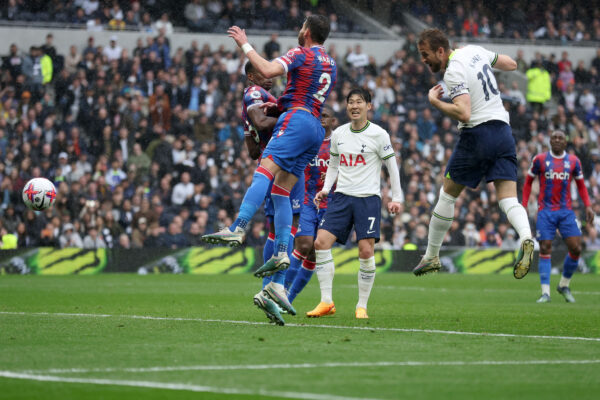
{"x":545,"y":248}
{"x":304,"y":245}
{"x":575,"y":251}
{"x":365,"y":249}
{"x":320,"y":243}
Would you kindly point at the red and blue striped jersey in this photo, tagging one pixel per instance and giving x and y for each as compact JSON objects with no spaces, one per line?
{"x":253,"y":96}
{"x":556,"y":174}
{"x":311,"y":74}
{"x":314,"y":175}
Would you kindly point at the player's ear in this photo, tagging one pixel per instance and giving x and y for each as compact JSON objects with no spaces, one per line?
{"x":369,"y":106}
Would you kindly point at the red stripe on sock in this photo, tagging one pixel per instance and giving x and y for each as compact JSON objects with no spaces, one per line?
{"x":279,"y":191}
{"x":265,"y":172}
{"x":294,"y":230}
{"x":545,"y":257}
{"x":297,"y":254}
{"x":573,"y":257}
{"x":309,"y":265}
{"x":271,"y":236}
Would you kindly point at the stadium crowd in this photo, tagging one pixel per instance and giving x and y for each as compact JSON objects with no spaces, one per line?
{"x":565,"y":21}
{"x":151,"y":16}
{"x":146,"y":147}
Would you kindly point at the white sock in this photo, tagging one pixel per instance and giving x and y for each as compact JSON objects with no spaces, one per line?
{"x":440,"y":222}
{"x":545,"y":289}
{"x":278,"y":286}
{"x":517,"y":216}
{"x":325,"y":270}
{"x":564,"y":282}
{"x":366,"y":277}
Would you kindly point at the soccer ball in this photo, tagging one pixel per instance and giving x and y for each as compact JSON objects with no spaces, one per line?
{"x":39,"y":194}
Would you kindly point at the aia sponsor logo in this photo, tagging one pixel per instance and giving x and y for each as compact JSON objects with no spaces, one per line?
{"x":352,"y":160}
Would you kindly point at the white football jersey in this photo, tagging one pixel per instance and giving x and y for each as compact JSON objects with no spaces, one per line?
{"x":360,"y":156}
{"x":470,"y":72}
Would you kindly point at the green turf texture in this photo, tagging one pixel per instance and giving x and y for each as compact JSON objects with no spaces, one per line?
{"x":485,"y":303}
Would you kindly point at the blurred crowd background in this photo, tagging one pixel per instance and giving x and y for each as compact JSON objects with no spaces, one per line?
{"x":146,"y":145}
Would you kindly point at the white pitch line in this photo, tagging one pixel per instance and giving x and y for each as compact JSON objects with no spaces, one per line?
{"x":442,"y":289}
{"x":309,"y":365}
{"x":177,"y":386}
{"x":358,"y":328}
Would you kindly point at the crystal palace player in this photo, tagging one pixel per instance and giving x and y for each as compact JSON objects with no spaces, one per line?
{"x":358,"y":150}
{"x":258,"y":129}
{"x":302,"y":262}
{"x":556,"y":169}
{"x":297,"y":137}
{"x":485,"y":148}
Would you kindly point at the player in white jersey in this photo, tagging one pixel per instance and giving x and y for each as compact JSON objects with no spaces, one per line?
{"x":486,"y":147}
{"x":358,"y":150}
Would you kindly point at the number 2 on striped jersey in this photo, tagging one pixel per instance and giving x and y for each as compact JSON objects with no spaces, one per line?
{"x":325,"y":77}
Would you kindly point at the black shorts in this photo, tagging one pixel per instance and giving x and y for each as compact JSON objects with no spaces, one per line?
{"x":487,"y":150}
{"x":344,"y":212}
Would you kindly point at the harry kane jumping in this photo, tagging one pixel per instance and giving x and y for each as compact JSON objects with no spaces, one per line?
{"x":358,"y":150}
{"x":556,"y":169}
{"x":486,"y":147}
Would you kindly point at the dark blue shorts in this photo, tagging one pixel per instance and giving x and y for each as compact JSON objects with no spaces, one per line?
{"x":345,"y":212}
{"x":296,"y":198}
{"x":296,"y":140}
{"x":549,"y":221}
{"x":309,"y":220}
{"x":487,"y":150}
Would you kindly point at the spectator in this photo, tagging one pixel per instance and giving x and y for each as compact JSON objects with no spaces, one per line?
{"x":69,"y":237}
{"x":93,"y":240}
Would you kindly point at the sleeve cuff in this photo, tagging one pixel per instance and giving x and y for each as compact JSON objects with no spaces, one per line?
{"x":280,"y":61}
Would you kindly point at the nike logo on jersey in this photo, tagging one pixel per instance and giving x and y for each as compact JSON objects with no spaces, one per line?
{"x":369,"y":232}
{"x":340,"y":143}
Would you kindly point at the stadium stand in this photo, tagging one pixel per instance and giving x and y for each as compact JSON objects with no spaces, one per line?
{"x":147,"y":142}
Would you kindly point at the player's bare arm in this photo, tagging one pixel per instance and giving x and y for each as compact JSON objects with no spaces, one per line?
{"x":505,"y":63}
{"x":589,"y":215}
{"x":268,"y":69}
{"x":261,"y":122}
{"x":459,"y":109}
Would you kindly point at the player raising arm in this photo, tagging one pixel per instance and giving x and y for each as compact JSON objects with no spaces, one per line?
{"x":556,"y":169}
{"x":358,"y":150}
{"x":486,"y":147}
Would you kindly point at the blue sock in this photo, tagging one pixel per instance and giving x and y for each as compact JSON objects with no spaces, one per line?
{"x":267,"y":254}
{"x":570,"y":266}
{"x":295,"y":262}
{"x":283,"y":218}
{"x":302,"y":278}
{"x":278,"y":277}
{"x":545,"y":267}
{"x":254,"y":197}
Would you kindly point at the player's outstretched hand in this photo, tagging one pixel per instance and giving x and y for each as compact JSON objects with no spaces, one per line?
{"x":435,"y":93}
{"x":320,"y":197}
{"x":238,"y":34}
{"x":589,"y":215}
{"x":394,"y":207}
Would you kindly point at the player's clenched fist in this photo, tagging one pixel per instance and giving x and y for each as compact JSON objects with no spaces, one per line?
{"x":435,"y":93}
{"x":393,"y":207}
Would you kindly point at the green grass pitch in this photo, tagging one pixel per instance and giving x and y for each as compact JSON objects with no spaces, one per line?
{"x":183,"y":337}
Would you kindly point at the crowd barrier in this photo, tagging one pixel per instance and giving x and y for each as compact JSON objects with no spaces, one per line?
{"x":220,"y":260}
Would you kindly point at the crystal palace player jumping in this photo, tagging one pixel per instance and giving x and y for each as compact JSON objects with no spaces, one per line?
{"x":258,"y":129}
{"x":556,"y":169}
{"x":297,"y":137}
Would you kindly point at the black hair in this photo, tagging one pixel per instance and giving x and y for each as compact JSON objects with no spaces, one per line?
{"x":249,"y":68}
{"x":318,"y":25}
{"x":362,"y":92}
{"x":328,"y":108}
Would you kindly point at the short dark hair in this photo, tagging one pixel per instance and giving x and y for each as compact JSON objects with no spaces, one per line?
{"x":434,"y":38}
{"x":359,"y":91}
{"x":249,"y":68}
{"x":328,"y":108}
{"x":318,"y":25}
